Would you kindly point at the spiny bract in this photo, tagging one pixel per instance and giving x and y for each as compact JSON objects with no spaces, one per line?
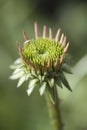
{"x":42,"y":61}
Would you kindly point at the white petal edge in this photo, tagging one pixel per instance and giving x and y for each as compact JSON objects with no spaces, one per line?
{"x":31,"y":86}
{"x":17,"y":71}
{"x":21,"y":81}
{"x":18,"y":61}
{"x":51,"y":82}
{"x":16,"y":76}
{"x":15,"y":66}
{"x":42,"y":88}
{"x":27,"y":76}
{"x":29,"y":90}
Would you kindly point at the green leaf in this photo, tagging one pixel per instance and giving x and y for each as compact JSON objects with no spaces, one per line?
{"x":64,"y":81}
{"x":42,"y":88}
{"x":66,"y":68}
{"x":58,"y":82}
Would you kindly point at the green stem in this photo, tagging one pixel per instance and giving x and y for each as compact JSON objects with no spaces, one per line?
{"x":54,"y":111}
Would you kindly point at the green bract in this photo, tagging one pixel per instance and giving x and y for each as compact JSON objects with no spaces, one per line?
{"x":43,"y":62}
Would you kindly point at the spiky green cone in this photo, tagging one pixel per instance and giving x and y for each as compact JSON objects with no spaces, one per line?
{"x":42,"y":61}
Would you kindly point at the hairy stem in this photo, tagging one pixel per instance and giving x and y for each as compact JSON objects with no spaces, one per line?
{"x":54,"y":111}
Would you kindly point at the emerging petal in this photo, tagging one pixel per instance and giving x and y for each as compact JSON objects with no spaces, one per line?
{"x":42,"y":88}
{"x":21,"y":80}
{"x":31,"y":86}
{"x":16,"y":76}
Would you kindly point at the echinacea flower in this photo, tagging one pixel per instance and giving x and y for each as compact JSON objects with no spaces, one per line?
{"x":42,"y":62}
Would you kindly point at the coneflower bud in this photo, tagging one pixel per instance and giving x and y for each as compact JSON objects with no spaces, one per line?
{"x":41,"y":61}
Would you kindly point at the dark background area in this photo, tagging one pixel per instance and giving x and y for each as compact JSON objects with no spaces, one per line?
{"x":17,"y":110}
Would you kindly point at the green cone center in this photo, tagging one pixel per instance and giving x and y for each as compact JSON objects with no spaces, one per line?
{"x":41,"y":50}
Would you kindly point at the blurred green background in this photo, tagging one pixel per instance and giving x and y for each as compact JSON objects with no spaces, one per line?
{"x":17,"y":110}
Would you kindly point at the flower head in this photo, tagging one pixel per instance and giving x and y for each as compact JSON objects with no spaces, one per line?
{"x":42,"y":61}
